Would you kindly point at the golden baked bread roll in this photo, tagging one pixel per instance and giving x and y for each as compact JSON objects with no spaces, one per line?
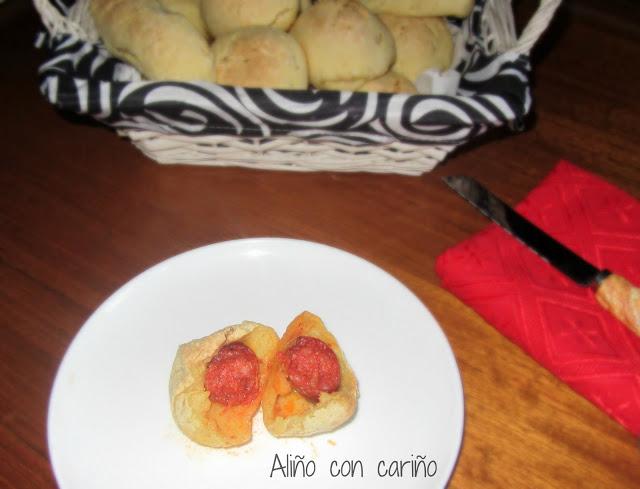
{"x":422,"y":43}
{"x":217,"y":382}
{"x":190,"y":9}
{"x":310,"y":388}
{"x":421,"y":8}
{"x":345,"y":44}
{"x":260,"y":57}
{"x":390,"y":82}
{"x":161,"y":45}
{"x":223,"y":16}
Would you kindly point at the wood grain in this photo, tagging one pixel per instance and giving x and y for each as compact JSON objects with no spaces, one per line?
{"x":82,"y":212}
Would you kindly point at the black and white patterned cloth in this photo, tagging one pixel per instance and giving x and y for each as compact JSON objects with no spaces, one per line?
{"x":494,"y":91}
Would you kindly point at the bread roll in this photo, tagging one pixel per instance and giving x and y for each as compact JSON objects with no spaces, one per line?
{"x":161,"y":45}
{"x":189,"y":9}
{"x":288,"y":411}
{"x":223,"y":16}
{"x":390,"y":82}
{"x":422,"y":43}
{"x":421,"y":8}
{"x":345,"y":44}
{"x":196,"y":410}
{"x":260,"y":57}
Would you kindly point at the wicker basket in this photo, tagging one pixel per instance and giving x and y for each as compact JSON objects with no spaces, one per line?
{"x":292,"y":148}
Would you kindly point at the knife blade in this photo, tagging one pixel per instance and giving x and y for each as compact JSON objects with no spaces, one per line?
{"x":614,"y":293}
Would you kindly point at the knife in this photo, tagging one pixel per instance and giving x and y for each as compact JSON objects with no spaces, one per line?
{"x":613,"y":292}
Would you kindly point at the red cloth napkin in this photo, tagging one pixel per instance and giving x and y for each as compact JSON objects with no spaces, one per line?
{"x":555,"y":321}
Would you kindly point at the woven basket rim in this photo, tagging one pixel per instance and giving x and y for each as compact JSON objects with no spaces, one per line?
{"x":300,"y":152}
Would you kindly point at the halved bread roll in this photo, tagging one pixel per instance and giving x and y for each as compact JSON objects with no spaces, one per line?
{"x":217,"y":383}
{"x":310,"y":387}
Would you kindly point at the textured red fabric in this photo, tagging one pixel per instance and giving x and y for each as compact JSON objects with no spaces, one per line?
{"x":555,"y":321}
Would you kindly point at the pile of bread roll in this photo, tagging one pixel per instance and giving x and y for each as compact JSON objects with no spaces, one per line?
{"x":359,"y":45}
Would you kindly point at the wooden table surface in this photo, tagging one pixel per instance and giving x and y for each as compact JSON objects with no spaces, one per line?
{"x":82,"y":212}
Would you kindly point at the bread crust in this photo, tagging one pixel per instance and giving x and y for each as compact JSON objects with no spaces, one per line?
{"x":224,"y":16}
{"x":208,"y":423}
{"x":189,"y":9}
{"x":421,"y":8}
{"x":422,"y":43}
{"x":390,"y":82}
{"x":345,"y":44}
{"x":260,"y":56}
{"x":286,"y":413}
{"x":160,"y":44}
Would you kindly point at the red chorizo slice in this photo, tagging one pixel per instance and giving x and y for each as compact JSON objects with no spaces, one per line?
{"x":232,"y":376}
{"x":312,"y":367}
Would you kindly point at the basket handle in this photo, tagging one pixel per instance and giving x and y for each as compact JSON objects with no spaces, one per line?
{"x":77,"y":21}
{"x":536,"y":26}
{"x":498,"y":26}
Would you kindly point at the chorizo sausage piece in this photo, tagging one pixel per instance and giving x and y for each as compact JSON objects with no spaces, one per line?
{"x":232,"y":376}
{"x":312,"y":367}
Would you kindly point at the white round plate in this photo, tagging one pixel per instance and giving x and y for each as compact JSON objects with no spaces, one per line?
{"x":110,"y":425}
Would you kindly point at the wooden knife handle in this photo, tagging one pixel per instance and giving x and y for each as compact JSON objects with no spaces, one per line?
{"x":622,"y":299}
